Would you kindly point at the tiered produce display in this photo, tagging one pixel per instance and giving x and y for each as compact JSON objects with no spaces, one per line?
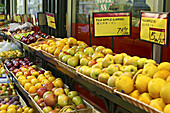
{"x":137,"y":77}
{"x":11,"y":54}
{"x":49,"y":93}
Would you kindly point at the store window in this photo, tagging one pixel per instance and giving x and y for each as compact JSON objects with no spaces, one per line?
{"x":81,"y":8}
{"x":34,"y":6}
{"x":20,"y":7}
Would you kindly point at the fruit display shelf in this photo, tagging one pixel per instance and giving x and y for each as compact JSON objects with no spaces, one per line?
{"x":109,"y":96}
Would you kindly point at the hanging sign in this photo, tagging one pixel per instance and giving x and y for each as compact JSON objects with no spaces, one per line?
{"x":112,"y":24}
{"x":104,"y":5}
{"x":19,"y":18}
{"x":154,"y":27}
{"x":2,"y":17}
{"x":2,"y":8}
{"x":51,"y":20}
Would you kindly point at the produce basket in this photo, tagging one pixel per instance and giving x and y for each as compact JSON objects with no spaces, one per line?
{"x":23,"y":55}
{"x":138,"y":103}
{"x":99,"y":84}
{"x":68,"y":67}
{"x":88,"y":108}
{"x":47,"y":54}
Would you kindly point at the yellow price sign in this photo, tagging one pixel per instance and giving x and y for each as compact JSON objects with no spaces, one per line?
{"x":112,"y":24}
{"x":19,"y":18}
{"x":2,"y":17}
{"x":154,"y":27}
{"x":15,"y":18}
{"x":51,"y":20}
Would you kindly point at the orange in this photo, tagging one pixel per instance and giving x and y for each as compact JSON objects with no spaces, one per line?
{"x":51,"y":79}
{"x":27,"y":86}
{"x":23,"y":82}
{"x":34,"y":81}
{"x":32,"y":89}
{"x":30,"y":78}
{"x":38,"y":85}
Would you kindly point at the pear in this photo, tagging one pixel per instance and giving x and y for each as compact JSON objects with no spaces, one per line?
{"x":77,"y":100}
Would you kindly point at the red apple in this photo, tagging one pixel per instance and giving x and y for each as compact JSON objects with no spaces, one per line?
{"x":27,"y":73}
{"x":49,"y":86}
{"x":50,"y":100}
{"x":41,"y":91}
{"x":16,"y":70}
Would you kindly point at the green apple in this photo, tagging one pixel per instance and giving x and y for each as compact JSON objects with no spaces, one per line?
{"x":98,"y":65}
{"x":112,"y":69}
{"x":82,"y":56}
{"x":77,"y":54}
{"x":66,"y":90}
{"x":88,"y":71}
{"x":99,"y":59}
{"x":127,"y":74}
{"x":150,"y":69}
{"x":77,"y":100}
{"x":99,"y":48}
{"x":47,"y":109}
{"x":107,"y":61}
{"x":131,"y":68}
{"x":130,"y":61}
{"x":73,"y":61}
{"x":117,"y":73}
{"x":72,"y":94}
{"x":103,"y":77}
{"x":141,"y":62}
{"x":84,"y":69}
{"x":63,"y":100}
{"x":89,"y":50}
{"x":65,"y":58}
{"x":149,"y":61}
{"x":107,"y":51}
{"x":97,"y":55}
{"x":71,"y":51}
{"x":85,"y":61}
{"x":62,"y":54}
{"x":111,"y":81}
{"x":95,"y":73}
{"x":118,"y":58}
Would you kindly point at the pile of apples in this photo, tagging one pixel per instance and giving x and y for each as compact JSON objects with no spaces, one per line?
{"x":53,"y":98}
{"x":5,"y":108}
{"x":7,"y":88}
{"x":151,"y":86}
{"x":27,"y":36}
{"x":11,"y":54}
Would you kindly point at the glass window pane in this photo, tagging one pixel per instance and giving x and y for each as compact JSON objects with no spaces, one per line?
{"x":20,"y":7}
{"x":34,"y":6}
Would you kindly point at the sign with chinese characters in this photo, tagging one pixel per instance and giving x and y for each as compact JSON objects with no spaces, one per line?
{"x":104,"y":5}
{"x":112,"y":24}
{"x":154,"y":27}
{"x":51,"y":20}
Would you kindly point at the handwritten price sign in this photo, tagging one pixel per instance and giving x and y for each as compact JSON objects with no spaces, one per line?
{"x":112,"y":24}
{"x":51,"y":20}
{"x":154,"y":27}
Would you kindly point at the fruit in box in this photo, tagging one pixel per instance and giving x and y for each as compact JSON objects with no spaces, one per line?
{"x":73,"y":61}
{"x":47,"y":109}
{"x":142,"y":82}
{"x":164,"y":66}
{"x":118,"y":58}
{"x":49,"y":86}
{"x":135,"y":94}
{"x":141,"y":62}
{"x":107,"y":61}
{"x":88,"y":71}
{"x":63,"y":100}
{"x":89,"y":50}
{"x":167,"y":108}
{"x":162,"y":74}
{"x":112,"y":69}
{"x":95,"y":73}
{"x":155,"y":86}
{"x":103,"y":77}
{"x":164,"y":93}
{"x":145,"y":97}
{"x":130,"y":68}
{"x":98,"y":65}
{"x":99,"y":48}
{"x":58,"y":91}
{"x":77,"y":100}
{"x":149,"y":61}
{"x":85,"y":61}
{"x":111,"y":81}
{"x":124,"y":84}
{"x":97,"y":55}
{"x":72,"y":94}
{"x":158,"y":104}
{"x":130,"y":61}
{"x":50,"y":100}
{"x":150,"y":70}
{"x":65,"y":58}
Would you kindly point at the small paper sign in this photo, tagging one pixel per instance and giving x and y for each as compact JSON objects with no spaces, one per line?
{"x":154,"y":27}
{"x":112,"y":24}
{"x":51,"y":20}
{"x":2,"y":17}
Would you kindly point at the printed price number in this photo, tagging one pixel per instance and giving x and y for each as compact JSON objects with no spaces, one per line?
{"x":123,"y":31}
{"x":157,"y":35}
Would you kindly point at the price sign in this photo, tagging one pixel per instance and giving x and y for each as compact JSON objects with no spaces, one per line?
{"x":112,"y":24}
{"x":8,"y":17}
{"x":154,"y":27}
{"x":19,"y":18}
{"x":15,"y":18}
{"x":51,"y":20}
{"x":2,"y":17}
